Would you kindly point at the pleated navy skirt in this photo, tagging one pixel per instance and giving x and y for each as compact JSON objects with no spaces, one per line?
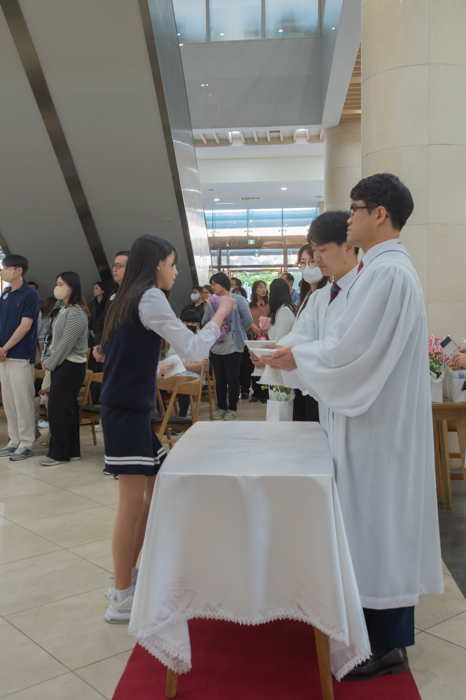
{"x":131,"y":446}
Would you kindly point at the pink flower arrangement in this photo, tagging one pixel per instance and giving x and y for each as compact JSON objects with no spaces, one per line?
{"x":436,"y":357}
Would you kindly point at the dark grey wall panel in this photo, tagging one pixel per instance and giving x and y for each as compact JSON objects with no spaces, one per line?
{"x":254,"y":83}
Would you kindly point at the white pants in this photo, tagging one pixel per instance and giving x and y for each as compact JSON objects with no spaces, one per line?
{"x":16,"y":377}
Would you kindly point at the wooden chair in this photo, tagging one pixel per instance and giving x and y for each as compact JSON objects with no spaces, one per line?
{"x":209,"y":392}
{"x":88,"y":413}
{"x":443,"y":414}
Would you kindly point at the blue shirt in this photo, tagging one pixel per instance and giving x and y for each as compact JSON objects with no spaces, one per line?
{"x":15,"y":305}
{"x":295,"y":297}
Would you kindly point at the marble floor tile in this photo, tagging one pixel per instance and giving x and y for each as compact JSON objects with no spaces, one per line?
{"x":79,"y":635}
{"x":433,"y":609}
{"x":4,"y":522}
{"x":23,"y":663}
{"x":453,"y":630}
{"x":104,"y":675}
{"x":445,"y":570}
{"x":23,"y":509}
{"x":67,"y":687}
{"x":64,"y":475}
{"x":4,"y":469}
{"x":99,"y":553}
{"x":73,"y":529}
{"x":18,"y":543}
{"x":43,"y":579}
{"x":438,"y":667}
{"x":21,"y":485}
{"x":105,"y":492}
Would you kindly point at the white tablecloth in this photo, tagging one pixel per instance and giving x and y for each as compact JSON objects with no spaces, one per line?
{"x":245,"y":525}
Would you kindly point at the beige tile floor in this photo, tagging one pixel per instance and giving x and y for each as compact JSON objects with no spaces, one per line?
{"x":55,"y":530}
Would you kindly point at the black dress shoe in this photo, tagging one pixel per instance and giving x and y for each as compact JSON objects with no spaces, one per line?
{"x":245,"y":395}
{"x":380,"y":663}
{"x":254,"y":399}
{"x":263,"y":400}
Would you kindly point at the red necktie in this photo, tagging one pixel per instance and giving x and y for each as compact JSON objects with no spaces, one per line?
{"x":334,"y":292}
{"x":360,"y":266}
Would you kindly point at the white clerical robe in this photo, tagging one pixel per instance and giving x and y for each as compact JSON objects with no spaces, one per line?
{"x":372,"y":372}
{"x":315,"y":322}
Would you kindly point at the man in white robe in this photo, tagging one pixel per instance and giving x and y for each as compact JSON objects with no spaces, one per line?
{"x":372,"y":372}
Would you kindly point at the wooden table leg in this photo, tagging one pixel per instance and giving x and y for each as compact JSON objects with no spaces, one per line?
{"x":323,"y":657}
{"x":445,"y":460}
{"x":461,"y":430}
{"x":171,"y":684}
{"x":438,"y":464}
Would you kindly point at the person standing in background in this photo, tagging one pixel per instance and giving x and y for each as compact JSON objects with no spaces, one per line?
{"x":234,"y":282}
{"x":198,"y":303}
{"x":44,"y":321}
{"x":289,"y":279}
{"x":19,"y":313}
{"x":118,"y":270}
{"x":258,"y":306}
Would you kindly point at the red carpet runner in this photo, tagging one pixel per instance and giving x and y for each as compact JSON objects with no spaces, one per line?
{"x":276,"y":661}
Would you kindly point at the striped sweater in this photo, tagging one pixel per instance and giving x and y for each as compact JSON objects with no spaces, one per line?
{"x":69,"y":337}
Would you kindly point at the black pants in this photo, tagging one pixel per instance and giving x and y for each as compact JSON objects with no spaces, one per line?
{"x":63,"y":410}
{"x":183,"y":403}
{"x":257,"y":389}
{"x":305,"y":408}
{"x":226,"y":368}
{"x":391,"y":628}
{"x":245,"y":371}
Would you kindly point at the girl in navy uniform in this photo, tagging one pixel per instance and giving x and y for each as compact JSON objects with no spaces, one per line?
{"x":139,"y":318}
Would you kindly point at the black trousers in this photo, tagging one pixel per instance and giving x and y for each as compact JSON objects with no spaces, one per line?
{"x":245,"y":371}
{"x":305,"y":408}
{"x":391,"y":628}
{"x":226,"y":368}
{"x":63,"y":410}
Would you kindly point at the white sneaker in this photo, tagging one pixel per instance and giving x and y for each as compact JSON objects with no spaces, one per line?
{"x":134,"y":578}
{"x":43,"y":424}
{"x":230,"y":415}
{"x":219,"y":414}
{"x":120,"y":613}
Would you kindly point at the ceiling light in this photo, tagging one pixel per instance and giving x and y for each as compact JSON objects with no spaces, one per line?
{"x":181,"y":44}
{"x":217,"y":199}
{"x":284,"y":188}
{"x":178,"y":35}
{"x":202,"y":85}
{"x":280,"y":30}
{"x":222,"y":34}
{"x":333,"y":28}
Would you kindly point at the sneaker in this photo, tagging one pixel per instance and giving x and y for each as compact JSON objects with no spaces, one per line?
{"x":176,"y":433}
{"x":18,"y":455}
{"x":7,"y":451}
{"x":245,"y":395}
{"x":120,"y":613}
{"x":43,"y":424}
{"x":219,"y":414}
{"x":46,"y":441}
{"x":74,"y":459}
{"x":49,"y":462}
{"x":107,"y":472}
{"x":230,"y":415}
{"x":134,"y":579}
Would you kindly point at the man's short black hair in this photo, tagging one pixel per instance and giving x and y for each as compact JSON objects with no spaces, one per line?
{"x":31,"y":283}
{"x":122,"y":252}
{"x":330,"y":227}
{"x":236,"y":280}
{"x":385,"y":190}
{"x":13,"y":260}
{"x":288,"y":276}
{"x":222,"y":279}
{"x":190,"y":317}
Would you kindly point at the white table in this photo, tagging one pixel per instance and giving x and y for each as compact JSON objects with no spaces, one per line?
{"x":245,"y":526}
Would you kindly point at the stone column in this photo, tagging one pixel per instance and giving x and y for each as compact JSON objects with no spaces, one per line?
{"x":414,"y":125}
{"x":342,"y":163}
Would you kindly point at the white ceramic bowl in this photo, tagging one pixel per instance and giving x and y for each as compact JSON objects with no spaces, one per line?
{"x":256,"y":345}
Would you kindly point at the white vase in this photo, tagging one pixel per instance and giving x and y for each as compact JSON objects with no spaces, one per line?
{"x":436,"y":390}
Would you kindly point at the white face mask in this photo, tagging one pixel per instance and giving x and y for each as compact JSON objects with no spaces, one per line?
{"x":195,"y":297}
{"x":7,"y":275}
{"x":311,"y":275}
{"x":60,"y":292}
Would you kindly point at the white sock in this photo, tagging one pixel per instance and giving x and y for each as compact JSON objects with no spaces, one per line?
{"x":134,"y":572}
{"x":121,"y":595}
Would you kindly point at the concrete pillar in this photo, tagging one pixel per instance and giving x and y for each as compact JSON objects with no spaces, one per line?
{"x":342,"y":163}
{"x":414,"y":125}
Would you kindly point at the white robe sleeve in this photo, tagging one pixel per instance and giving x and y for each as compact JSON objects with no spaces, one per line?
{"x":157,"y":315}
{"x":348,"y":369}
{"x":284,"y":322}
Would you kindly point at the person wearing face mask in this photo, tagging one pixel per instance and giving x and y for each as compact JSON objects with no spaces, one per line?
{"x":197,"y":302}
{"x":66,"y":360}
{"x":312,"y":277}
{"x":19,"y":312}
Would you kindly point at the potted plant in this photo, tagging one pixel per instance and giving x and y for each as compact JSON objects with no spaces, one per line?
{"x":280,"y":403}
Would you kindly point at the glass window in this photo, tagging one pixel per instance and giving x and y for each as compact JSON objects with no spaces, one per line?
{"x":230,"y":21}
{"x":191,"y":20}
{"x":294,"y":18}
{"x":249,"y":257}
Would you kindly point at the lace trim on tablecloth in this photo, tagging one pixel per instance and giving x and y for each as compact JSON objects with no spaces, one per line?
{"x":172,"y":656}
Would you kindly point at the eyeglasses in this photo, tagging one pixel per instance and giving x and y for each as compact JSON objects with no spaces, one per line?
{"x":303,"y":264}
{"x":353,"y":208}
{"x":117,"y":266}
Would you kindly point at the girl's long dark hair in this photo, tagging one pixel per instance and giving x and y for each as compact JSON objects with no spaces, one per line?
{"x":254,"y":300}
{"x":279,"y":296}
{"x":305,"y":287}
{"x":73,"y":280}
{"x":141,"y":274}
{"x":47,"y":305}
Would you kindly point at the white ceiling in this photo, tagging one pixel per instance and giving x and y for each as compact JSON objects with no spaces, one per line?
{"x":299,"y":194}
